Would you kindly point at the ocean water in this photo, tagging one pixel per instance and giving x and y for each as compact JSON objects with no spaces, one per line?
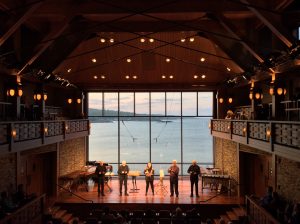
{"x":159,"y":142}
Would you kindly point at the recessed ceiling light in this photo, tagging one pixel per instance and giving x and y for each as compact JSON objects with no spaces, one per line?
{"x":95,"y":77}
{"x":102,"y":40}
{"x":182,"y":40}
{"x":195,"y":76}
{"x":192,"y":39}
{"x":111,"y":40}
{"x":171,"y":76}
{"x":127,"y":76}
{"x":168,"y":60}
{"x":203,"y":76}
{"x":134,"y":77}
{"x":103,"y":77}
{"x":151,"y":40}
{"x":142,"y":40}
{"x":69,"y":70}
{"x":228,"y":69}
{"x":94,"y":60}
{"x":128,"y":60}
{"x":202,"y":59}
{"x":163,"y":76}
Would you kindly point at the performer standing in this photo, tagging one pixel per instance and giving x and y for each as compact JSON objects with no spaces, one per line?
{"x":174,"y":171}
{"x":123,"y":172}
{"x":100,"y":172}
{"x":194,"y":171}
{"x":149,"y":176}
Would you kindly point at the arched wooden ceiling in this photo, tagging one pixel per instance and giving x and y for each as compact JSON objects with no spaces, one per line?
{"x":222,"y":39}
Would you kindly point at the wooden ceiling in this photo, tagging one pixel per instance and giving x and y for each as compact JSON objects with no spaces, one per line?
{"x":181,"y":44}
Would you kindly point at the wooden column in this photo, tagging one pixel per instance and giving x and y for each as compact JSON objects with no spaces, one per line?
{"x":41,"y":109}
{"x":276,"y":107}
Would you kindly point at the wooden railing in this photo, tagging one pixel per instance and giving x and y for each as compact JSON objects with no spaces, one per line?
{"x":29,"y":213}
{"x":21,"y":135}
{"x":270,"y":133}
{"x":258,"y":214}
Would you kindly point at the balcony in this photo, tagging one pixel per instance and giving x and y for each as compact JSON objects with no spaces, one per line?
{"x":22,"y":135}
{"x":279,"y":137}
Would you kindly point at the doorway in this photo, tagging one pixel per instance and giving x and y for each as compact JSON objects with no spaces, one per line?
{"x":41,"y":173}
{"x":254,"y":173}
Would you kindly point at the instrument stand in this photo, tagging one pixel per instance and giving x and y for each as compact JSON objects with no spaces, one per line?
{"x":134,"y":186}
{"x":107,"y":180}
{"x":160,"y":187}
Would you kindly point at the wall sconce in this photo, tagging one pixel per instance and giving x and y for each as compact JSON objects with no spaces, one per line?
{"x":45,"y":130}
{"x":69,"y":100}
{"x":40,"y":95}
{"x":251,"y":95}
{"x":13,"y":133}
{"x":258,"y":96}
{"x":271,"y":91}
{"x":268,"y":133}
{"x":230,"y":100}
{"x":17,"y":90}
{"x":244,"y":129}
{"x":228,"y":127}
{"x":279,"y":91}
{"x":78,"y":100}
{"x":67,"y":127}
{"x":10,"y":92}
{"x":221,"y":100}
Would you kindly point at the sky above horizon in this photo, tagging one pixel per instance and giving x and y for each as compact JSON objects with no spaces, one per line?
{"x":189,"y":102}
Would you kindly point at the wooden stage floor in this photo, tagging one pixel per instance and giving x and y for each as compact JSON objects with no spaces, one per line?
{"x":208,"y":196}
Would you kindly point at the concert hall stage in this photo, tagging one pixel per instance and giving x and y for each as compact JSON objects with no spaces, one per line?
{"x":208,"y":196}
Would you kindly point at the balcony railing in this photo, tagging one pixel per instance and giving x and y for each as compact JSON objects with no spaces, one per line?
{"x":21,"y":135}
{"x":279,"y":136}
{"x":257,"y":214}
{"x":29,"y":213}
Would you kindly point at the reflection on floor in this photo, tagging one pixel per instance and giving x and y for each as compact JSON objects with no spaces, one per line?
{"x":161,"y":196}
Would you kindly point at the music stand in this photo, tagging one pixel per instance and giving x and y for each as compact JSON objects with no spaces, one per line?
{"x":160,"y":187}
{"x":134,"y":174}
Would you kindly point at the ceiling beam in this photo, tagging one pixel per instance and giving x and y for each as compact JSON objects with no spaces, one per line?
{"x":19,"y":22}
{"x":62,"y":47}
{"x":273,"y":22}
{"x":233,"y":31}
{"x":47,"y":41}
{"x":226,"y":47}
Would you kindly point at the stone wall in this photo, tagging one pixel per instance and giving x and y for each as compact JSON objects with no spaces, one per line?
{"x":8,"y":172}
{"x":288,"y":178}
{"x":72,"y":155}
{"x":226,"y":158}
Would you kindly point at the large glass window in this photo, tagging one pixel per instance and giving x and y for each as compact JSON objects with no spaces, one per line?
{"x":126,"y":104}
{"x":173,"y":103}
{"x":134,"y":139}
{"x":158,"y":105}
{"x":151,"y":126}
